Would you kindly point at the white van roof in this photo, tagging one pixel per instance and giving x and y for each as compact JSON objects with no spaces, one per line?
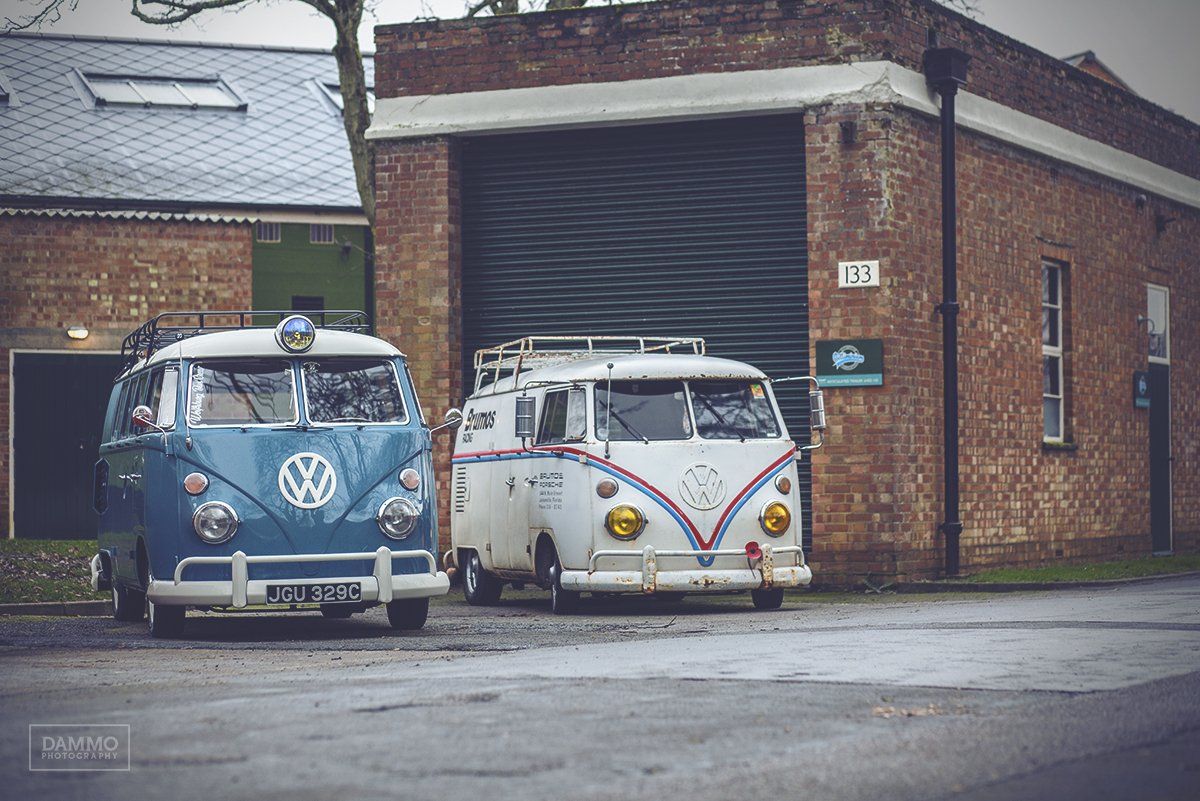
{"x":260,"y":342}
{"x":630,"y":367}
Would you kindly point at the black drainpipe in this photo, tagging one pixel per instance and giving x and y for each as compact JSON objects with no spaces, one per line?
{"x":946,"y":70}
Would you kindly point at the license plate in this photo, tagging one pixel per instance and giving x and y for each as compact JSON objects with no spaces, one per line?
{"x":332,"y":593}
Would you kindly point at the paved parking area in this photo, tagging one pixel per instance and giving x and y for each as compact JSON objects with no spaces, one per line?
{"x":1080,"y":694}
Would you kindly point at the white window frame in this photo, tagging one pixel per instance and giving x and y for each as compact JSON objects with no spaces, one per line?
{"x":269,"y":232}
{"x":313,"y":228}
{"x":1055,"y":352}
{"x":1166,"y":332}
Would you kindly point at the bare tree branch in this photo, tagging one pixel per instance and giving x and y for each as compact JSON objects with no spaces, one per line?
{"x":50,"y":12}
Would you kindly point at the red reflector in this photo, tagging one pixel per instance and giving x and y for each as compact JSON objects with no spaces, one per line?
{"x":753,"y":551}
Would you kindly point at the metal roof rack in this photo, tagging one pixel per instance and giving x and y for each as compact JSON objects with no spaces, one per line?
{"x":170,"y":327}
{"x":511,"y":358}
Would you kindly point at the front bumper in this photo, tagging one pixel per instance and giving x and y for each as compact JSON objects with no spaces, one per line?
{"x":649,"y":579}
{"x":240,"y":591}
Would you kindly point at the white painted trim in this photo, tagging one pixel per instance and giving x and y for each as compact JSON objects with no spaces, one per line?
{"x":306,"y":217}
{"x":730,"y":94}
{"x":199,"y":215}
{"x":12,"y":418}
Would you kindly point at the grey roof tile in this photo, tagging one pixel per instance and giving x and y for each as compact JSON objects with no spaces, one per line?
{"x":286,"y":149}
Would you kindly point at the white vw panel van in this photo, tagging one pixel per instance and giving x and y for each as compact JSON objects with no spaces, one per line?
{"x":625,"y":465}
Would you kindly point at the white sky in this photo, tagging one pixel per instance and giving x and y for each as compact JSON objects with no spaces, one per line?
{"x":1151,"y":44}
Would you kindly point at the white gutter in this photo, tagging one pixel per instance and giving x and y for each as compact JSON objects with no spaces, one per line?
{"x":730,"y":94}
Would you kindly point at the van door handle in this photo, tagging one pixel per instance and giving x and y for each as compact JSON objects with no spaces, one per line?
{"x":130,"y":476}
{"x":529,"y":482}
{"x":511,"y":482}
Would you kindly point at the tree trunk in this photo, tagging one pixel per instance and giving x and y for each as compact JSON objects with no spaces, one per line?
{"x":355,"y":115}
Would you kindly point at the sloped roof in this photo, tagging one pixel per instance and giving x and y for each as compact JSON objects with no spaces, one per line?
{"x":287,"y":148}
{"x":1088,"y":62}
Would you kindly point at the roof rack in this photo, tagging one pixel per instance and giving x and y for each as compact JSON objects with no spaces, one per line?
{"x":170,"y":327}
{"x":511,"y":358}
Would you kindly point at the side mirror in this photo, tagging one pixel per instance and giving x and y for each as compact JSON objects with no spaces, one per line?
{"x":142,"y":417}
{"x":816,"y":410}
{"x":526,"y":411}
{"x":452,"y":420}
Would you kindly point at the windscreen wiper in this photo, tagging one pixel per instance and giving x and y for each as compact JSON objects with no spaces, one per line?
{"x":627,"y":425}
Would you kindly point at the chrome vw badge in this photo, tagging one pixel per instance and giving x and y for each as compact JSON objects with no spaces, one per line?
{"x":307,"y":480}
{"x":701,"y":486}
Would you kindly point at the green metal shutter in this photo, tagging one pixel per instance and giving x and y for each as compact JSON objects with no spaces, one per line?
{"x":688,"y":229}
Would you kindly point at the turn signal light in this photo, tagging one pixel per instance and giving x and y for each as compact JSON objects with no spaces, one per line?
{"x":606,"y":488}
{"x":783,"y":484}
{"x":775,"y":518}
{"x":625,"y":522}
{"x":195,"y":483}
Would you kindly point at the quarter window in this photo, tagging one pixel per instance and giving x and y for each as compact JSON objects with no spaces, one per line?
{"x":564,"y":417}
{"x":1158,"y":312}
{"x":165,"y":416}
{"x":1053,"y":352}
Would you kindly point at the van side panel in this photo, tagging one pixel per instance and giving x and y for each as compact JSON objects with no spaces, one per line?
{"x":477,"y":482}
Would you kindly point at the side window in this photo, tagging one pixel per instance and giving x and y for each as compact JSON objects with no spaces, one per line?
{"x":564,"y":417}
{"x":155,"y":392}
{"x":165,"y":411}
{"x":134,"y":398}
{"x":121,"y":419}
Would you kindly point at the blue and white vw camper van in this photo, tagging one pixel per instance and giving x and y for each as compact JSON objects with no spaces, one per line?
{"x":244,"y":464}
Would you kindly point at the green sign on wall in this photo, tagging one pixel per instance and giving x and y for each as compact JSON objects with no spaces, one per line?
{"x":850,"y":362}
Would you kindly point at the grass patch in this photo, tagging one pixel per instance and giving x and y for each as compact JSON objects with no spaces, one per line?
{"x":46,"y":570}
{"x":1100,"y":571}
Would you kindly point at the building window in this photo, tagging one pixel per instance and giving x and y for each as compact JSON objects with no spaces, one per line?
{"x":1054,"y":393}
{"x":319,"y":234}
{"x":162,"y":92}
{"x":333,"y":95}
{"x":268,"y":232}
{"x":1158,"y":310}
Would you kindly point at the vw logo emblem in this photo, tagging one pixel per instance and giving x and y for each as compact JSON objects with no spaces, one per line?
{"x":307,"y":480}
{"x":702,"y":487}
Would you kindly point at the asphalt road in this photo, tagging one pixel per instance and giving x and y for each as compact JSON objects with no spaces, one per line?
{"x":1069,"y":695}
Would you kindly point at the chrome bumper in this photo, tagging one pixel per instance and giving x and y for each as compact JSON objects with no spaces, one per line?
{"x":649,"y":579}
{"x":240,"y":591}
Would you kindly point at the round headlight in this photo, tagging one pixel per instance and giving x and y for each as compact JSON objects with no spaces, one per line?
{"x":606,"y":488}
{"x":783,"y":484}
{"x":195,"y":483}
{"x":410,"y":479}
{"x":397,"y":517}
{"x":215,"y":522}
{"x":775,"y":518}
{"x":625,"y":522}
{"x":296,"y":334}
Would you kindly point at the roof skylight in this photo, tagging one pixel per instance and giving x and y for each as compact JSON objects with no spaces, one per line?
{"x":162,"y":92}
{"x":333,"y":93}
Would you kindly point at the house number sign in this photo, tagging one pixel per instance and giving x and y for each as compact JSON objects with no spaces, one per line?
{"x":858,"y":273}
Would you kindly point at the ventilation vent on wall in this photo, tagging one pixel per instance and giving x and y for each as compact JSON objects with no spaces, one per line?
{"x":462,"y":489}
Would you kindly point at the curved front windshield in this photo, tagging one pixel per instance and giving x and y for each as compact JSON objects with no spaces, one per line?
{"x":239,"y":393}
{"x":642,"y":410}
{"x":733,"y":410}
{"x":351,"y":390}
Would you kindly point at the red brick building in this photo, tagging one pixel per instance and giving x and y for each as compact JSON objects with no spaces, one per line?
{"x":587,"y":171}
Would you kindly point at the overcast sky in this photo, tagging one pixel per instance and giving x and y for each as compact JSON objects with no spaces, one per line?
{"x":1151,"y":44}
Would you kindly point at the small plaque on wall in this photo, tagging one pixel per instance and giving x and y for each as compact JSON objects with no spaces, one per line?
{"x":1141,"y":389}
{"x":850,"y":362}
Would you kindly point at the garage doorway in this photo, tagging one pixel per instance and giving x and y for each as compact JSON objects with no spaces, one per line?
{"x":59,"y":402}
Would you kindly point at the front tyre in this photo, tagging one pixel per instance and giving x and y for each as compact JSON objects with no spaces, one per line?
{"x":408,"y":614}
{"x":128,"y":604}
{"x":480,"y":587}
{"x":165,"y":622}
{"x":562,"y":602}
{"x":767,"y":599}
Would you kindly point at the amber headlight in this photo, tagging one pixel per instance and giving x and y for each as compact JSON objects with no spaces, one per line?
{"x":215,"y":522}
{"x":397,"y":517}
{"x":625,"y":522}
{"x":775,"y":518}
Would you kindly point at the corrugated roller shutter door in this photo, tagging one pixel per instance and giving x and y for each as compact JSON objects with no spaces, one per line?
{"x":689,"y":229}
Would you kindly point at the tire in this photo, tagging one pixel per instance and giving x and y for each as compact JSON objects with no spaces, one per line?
{"x":480,"y":587}
{"x":129,"y":605}
{"x":165,"y":622}
{"x":337,"y":611}
{"x":562,"y":602}
{"x":408,"y":614}
{"x":767,"y":599}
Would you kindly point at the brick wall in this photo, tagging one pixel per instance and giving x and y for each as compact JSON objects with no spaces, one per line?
{"x":683,"y":37}
{"x":878,"y":481}
{"x":418,"y":301}
{"x":110,"y":275}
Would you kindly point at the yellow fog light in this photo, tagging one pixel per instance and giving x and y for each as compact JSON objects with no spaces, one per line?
{"x":775,"y":518}
{"x":625,"y":522}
